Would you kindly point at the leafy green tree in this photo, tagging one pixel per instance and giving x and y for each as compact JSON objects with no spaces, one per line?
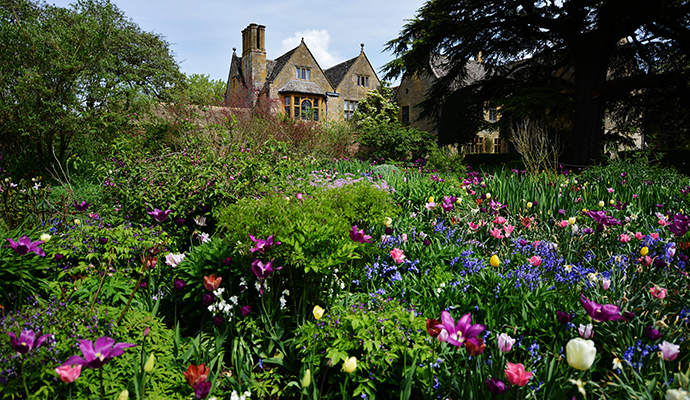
{"x":201,"y":90}
{"x":69,"y":77}
{"x":381,"y":135}
{"x":597,"y":51}
{"x":375,"y":109}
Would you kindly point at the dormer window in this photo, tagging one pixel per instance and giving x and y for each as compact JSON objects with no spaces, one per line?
{"x":303,"y":73}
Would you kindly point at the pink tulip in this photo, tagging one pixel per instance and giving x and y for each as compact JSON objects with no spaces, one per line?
{"x":535,"y":261}
{"x":516,"y":374}
{"x":658,"y":293}
{"x":505,"y":343}
{"x":606,"y":283}
{"x":397,"y":255}
{"x":500,"y":220}
{"x":669,"y":351}
{"x":624,"y":238}
{"x":509,"y":229}
{"x":654,"y":235}
{"x":586,"y":331}
{"x":68,"y":373}
{"x":639,"y":235}
{"x":495,"y":232}
{"x":473,"y":226}
{"x":404,"y":237}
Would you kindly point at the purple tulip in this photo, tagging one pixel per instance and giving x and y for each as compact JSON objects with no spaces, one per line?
{"x":180,"y":221}
{"x":96,"y":356}
{"x":263,"y":271}
{"x":227,"y":261}
{"x":246,"y":310}
{"x":427,"y":242}
{"x":262,"y":245}
{"x":26,"y":342}
{"x":208,"y":298}
{"x":59,"y":256}
{"x":458,"y":334}
{"x":496,"y":386}
{"x":651,"y":333}
{"x":389,"y":231}
{"x":180,"y":284}
{"x":602,"y":219}
{"x":82,"y":206}
{"x":102,"y":240}
{"x":201,"y":389}
{"x":601,"y":313}
{"x":24,"y":245}
{"x":217,"y":320}
{"x":159,"y":215}
{"x":563,"y":318}
{"x":359,"y":236}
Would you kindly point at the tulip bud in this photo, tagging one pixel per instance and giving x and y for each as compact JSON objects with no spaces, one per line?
{"x":306,"y":379}
{"x":572,"y":220}
{"x":350,"y":364}
{"x":601,"y":203}
{"x":148,"y":367}
{"x":644,"y":251}
{"x":124,"y":395}
{"x":494,"y":261}
{"x":45,"y":238}
{"x":318,"y":312}
{"x":580,"y":353}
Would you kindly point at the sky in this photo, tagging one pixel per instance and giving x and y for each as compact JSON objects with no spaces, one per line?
{"x":202,"y":33}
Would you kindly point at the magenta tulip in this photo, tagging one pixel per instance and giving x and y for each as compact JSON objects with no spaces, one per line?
{"x":96,"y":356}
{"x":458,"y":334}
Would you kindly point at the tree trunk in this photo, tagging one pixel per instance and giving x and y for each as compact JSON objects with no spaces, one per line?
{"x":591,"y":67}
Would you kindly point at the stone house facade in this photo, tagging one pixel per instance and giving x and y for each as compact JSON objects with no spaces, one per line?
{"x":303,"y":89}
{"x":413,"y":89}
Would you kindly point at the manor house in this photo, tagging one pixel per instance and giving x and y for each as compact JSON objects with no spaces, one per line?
{"x":304,"y":89}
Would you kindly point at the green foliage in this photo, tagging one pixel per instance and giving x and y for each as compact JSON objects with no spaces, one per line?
{"x":314,"y":232}
{"x":69,"y":76}
{"x":445,"y":159}
{"x":376,"y":109}
{"x":385,"y":336}
{"x":392,"y":141}
{"x":201,"y":90}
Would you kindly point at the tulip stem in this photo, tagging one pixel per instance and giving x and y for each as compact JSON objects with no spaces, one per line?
{"x":26,"y":390}
{"x":100,"y":370}
{"x":131,"y":296}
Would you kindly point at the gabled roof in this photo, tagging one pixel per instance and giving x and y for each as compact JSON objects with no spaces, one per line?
{"x":277,"y":65}
{"x":336,"y":73}
{"x":305,"y":87}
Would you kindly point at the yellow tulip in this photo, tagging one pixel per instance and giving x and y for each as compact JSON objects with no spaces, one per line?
{"x":77,"y":222}
{"x":124,"y":395}
{"x":148,"y":367}
{"x":601,"y":203}
{"x":45,"y":238}
{"x":612,"y":202}
{"x":306,"y":379}
{"x":572,"y":220}
{"x":488,"y":196}
{"x":431,"y":199}
{"x":644,"y":251}
{"x":529,"y":204}
{"x":318,"y":312}
{"x":494,"y":261}
{"x":350,"y":364}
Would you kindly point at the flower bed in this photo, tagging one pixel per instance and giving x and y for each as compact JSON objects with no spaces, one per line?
{"x":352,"y":280}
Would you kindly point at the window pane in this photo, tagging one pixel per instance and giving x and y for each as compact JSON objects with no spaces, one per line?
{"x":367,"y":81}
{"x":287,"y":111}
{"x":316,"y":114}
{"x":316,"y":103}
{"x":308,"y":74}
{"x":297,"y":73}
{"x":287,"y":101}
{"x":296,"y":114}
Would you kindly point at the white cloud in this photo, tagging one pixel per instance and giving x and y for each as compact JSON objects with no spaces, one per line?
{"x":318,"y":42}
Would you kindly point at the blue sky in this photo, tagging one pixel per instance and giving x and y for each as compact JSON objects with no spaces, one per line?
{"x":202,"y":33}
